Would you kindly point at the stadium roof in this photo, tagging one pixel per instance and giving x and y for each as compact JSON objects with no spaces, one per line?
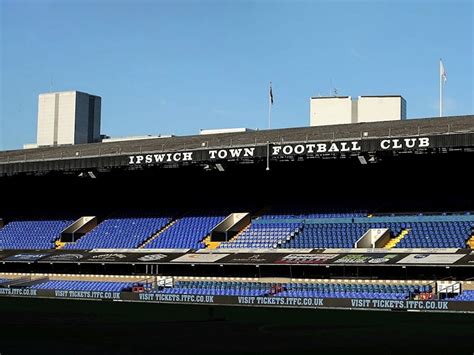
{"x":441,"y":126}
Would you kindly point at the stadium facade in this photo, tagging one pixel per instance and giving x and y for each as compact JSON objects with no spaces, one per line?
{"x":373,"y":216}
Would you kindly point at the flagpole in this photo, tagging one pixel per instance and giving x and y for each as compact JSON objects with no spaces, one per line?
{"x":270,"y":104}
{"x":270,"y":108}
{"x":440,"y":89}
{"x":268,"y":155}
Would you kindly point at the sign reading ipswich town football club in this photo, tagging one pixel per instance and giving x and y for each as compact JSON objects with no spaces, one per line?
{"x":282,"y":150}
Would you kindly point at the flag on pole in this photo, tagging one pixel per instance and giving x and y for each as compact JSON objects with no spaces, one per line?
{"x":442,"y":71}
{"x":271,"y":93}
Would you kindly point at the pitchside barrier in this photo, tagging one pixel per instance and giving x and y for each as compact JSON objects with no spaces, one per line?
{"x":250,"y":301}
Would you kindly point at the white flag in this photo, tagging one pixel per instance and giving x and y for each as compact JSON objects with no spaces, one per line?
{"x":442,"y":72}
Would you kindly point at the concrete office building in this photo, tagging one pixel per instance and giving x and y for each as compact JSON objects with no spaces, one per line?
{"x":70,"y":117}
{"x":343,"y":109}
{"x":331,"y":110}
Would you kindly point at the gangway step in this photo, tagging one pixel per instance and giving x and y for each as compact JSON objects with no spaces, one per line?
{"x":394,"y":241}
{"x":157,"y":234}
{"x":209,"y":244}
{"x":59,"y":245}
{"x":470,"y":242}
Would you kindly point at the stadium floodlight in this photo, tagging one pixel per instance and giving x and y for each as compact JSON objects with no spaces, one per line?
{"x":219,"y":167}
{"x":91,"y":175}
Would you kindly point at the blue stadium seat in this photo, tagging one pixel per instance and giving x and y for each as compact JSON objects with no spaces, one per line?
{"x":32,"y":234}
{"x":187,"y":232}
{"x":120,"y":233}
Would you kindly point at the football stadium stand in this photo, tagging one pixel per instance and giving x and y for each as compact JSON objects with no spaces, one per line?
{"x":32,"y":234}
{"x":379,"y":290}
{"x":120,"y":233}
{"x":312,"y":289}
{"x":325,"y":290}
{"x":209,"y":243}
{"x":342,"y":230}
{"x":186,"y":232}
{"x":453,"y":234}
{"x":467,"y":295}
{"x":264,"y":235}
{"x":217,"y":288}
{"x":82,"y":285}
{"x":290,"y":230}
{"x":330,"y":235}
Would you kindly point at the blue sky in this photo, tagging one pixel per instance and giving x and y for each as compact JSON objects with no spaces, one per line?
{"x":174,"y":67}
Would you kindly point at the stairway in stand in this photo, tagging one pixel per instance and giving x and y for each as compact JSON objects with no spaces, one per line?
{"x":470,"y":242}
{"x":157,"y":234}
{"x":394,"y":241}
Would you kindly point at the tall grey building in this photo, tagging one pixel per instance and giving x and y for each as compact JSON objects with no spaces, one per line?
{"x":70,"y":117}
